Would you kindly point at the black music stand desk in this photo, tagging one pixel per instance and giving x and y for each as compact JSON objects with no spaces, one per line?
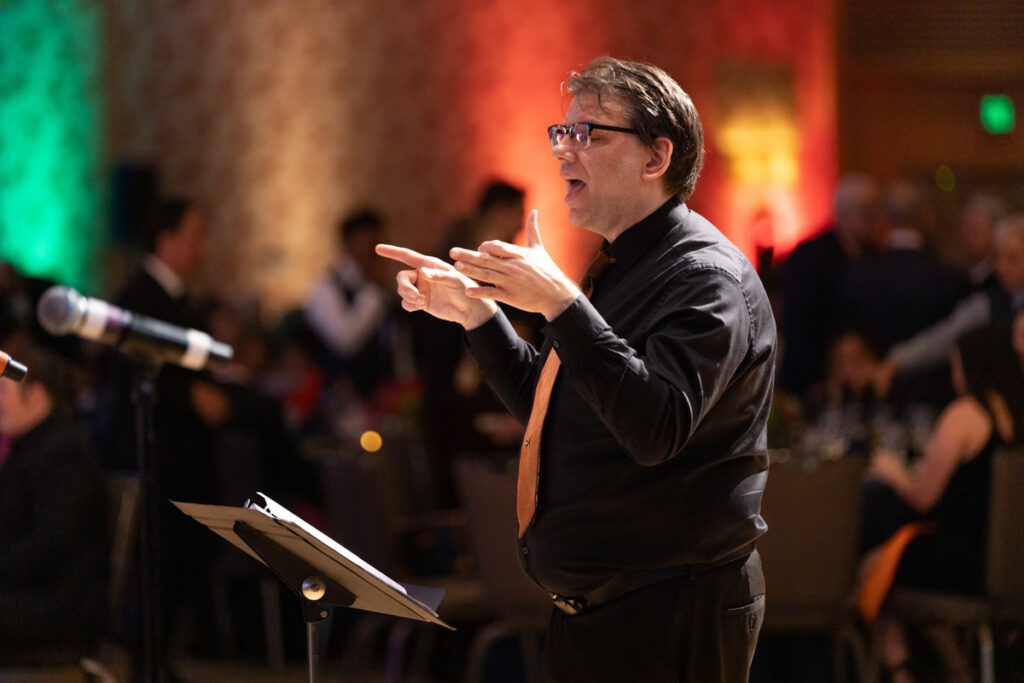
{"x":317,"y":568}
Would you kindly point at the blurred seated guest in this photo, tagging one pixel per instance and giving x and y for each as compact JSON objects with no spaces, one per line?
{"x":904,"y":288}
{"x":847,"y":405}
{"x":439,"y":350}
{"x":811,"y":279}
{"x":460,"y":413}
{"x":994,"y":306}
{"x":254,"y":447}
{"x":850,"y":369}
{"x":976,"y":226}
{"x":53,"y":543}
{"x":19,"y":298}
{"x":294,"y":377}
{"x":16,"y":306}
{"x":1017,"y":336}
{"x":348,"y":308}
{"x":926,"y":522}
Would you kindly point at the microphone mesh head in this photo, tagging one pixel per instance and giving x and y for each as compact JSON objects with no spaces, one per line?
{"x":58,"y":309}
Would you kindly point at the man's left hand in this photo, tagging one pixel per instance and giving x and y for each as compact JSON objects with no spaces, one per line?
{"x":524,"y":277}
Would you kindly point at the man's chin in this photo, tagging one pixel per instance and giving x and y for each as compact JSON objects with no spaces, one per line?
{"x":577,"y":218}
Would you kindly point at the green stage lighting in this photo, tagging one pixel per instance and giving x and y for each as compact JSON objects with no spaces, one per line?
{"x":997,"y":114}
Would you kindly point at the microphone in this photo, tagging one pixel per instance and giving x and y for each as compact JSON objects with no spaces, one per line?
{"x":62,"y":310}
{"x":11,"y":369}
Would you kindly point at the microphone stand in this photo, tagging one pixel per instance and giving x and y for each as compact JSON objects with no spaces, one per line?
{"x":143,"y":395}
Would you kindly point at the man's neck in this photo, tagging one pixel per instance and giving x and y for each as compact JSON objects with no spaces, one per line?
{"x":644,"y":209}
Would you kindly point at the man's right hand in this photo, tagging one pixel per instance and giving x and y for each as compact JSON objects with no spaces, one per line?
{"x":434,"y":286}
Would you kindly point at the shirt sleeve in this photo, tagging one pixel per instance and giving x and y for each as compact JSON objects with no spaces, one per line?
{"x":653,"y":399}
{"x":933,"y":345}
{"x":509,"y":364}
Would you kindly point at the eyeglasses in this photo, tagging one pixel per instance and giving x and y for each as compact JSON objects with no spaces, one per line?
{"x":579,"y":132}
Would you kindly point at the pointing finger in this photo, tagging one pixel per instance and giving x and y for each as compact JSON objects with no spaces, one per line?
{"x":409,"y":257}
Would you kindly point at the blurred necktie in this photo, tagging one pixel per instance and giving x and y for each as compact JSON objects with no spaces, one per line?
{"x":529,"y":454}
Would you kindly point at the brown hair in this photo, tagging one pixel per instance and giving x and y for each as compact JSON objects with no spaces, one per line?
{"x":656,"y":106}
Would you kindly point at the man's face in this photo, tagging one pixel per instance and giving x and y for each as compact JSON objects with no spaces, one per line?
{"x":976,"y":227}
{"x":603,"y":182}
{"x":185,"y":249}
{"x":1010,"y":261}
{"x":360,"y":247}
{"x":852,"y":363}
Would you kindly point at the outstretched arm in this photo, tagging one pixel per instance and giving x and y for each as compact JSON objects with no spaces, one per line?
{"x":434,"y":286}
{"x":523,"y":277}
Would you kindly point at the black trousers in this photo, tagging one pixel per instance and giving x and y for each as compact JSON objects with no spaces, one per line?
{"x":699,"y":629}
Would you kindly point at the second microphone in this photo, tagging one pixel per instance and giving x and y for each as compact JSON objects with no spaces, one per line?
{"x":62,"y":310}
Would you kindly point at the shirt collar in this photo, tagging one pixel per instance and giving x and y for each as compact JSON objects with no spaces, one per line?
{"x":641,"y":237}
{"x":164,"y":275}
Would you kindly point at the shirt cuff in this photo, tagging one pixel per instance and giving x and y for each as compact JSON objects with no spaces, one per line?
{"x":491,"y":341}
{"x":573,"y":332}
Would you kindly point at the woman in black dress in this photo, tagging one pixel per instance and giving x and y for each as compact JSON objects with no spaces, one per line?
{"x":946,"y":488}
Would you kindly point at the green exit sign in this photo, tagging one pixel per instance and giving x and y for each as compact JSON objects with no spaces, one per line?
{"x":997,"y":114}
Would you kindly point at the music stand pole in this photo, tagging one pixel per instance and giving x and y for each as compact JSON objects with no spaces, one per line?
{"x":303,"y":580}
{"x":313,"y":590}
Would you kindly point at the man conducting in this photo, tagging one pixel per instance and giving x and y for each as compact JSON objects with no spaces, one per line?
{"x":644,"y":459}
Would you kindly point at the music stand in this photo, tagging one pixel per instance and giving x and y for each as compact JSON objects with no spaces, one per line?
{"x":314,"y":566}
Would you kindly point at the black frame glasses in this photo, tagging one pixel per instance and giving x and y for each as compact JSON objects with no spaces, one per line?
{"x":579,"y":132}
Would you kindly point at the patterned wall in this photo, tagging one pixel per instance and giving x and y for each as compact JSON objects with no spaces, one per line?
{"x":281,"y":115}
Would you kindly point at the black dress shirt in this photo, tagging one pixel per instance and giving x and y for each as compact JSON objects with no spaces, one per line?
{"x":654,"y":450}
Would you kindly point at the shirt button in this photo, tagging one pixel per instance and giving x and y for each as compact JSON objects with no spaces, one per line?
{"x":526,"y":443}
{"x":526,"y":551}
{"x":557,"y":344}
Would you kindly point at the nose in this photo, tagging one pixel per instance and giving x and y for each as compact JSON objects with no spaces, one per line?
{"x":562,"y":149}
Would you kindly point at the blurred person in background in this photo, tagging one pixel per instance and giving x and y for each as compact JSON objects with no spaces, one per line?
{"x":188,"y":408}
{"x":926,"y":521}
{"x":498,"y":215}
{"x":348,"y":309}
{"x":976,"y":232}
{"x":904,"y":288}
{"x":812,"y":276}
{"x":992,"y":306}
{"x":460,"y":413}
{"x":53,"y":523}
{"x":1017,"y":336}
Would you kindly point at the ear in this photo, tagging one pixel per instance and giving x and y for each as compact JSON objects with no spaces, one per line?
{"x":659,"y":156}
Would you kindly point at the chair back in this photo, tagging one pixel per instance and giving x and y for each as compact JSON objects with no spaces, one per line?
{"x":488,"y":496}
{"x":356,"y":513}
{"x":810,"y":550}
{"x":1005,"y":577}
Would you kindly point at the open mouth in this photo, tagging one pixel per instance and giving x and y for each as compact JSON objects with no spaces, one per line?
{"x":573,"y":187}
